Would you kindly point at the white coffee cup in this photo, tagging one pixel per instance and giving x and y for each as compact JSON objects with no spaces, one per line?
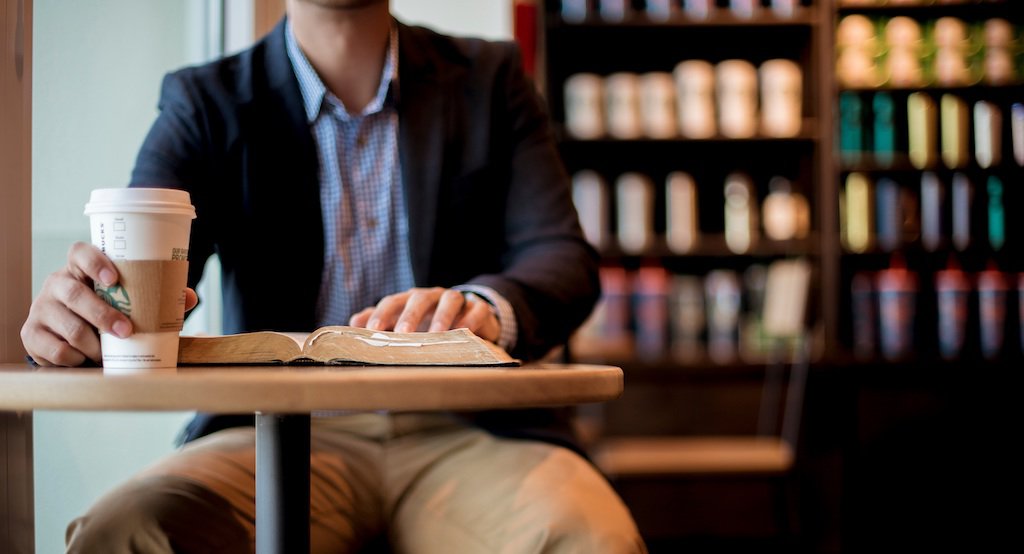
{"x":781,"y":98}
{"x":658,"y":105}
{"x":736,"y":89}
{"x":635,"y":212}
{"x":590,"y":196}
{"x":622,"y":105}
{"x":584,"y":106}
{"x":695,"y":97}
{"x":145,"y":232}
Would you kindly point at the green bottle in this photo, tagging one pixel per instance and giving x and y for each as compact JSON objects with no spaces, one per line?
{"x":996,"y":215}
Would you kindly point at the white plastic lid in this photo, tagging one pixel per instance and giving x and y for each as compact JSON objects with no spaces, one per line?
{"x":140,"y":200}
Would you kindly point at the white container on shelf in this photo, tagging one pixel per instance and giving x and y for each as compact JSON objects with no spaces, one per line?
{"x":682,"y":231}
{"x":736,"y":92}
{"x":635,"y":212}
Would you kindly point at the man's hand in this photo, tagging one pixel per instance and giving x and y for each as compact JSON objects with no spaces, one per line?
{"x":62,"y":323}
{"x":433,"y":309}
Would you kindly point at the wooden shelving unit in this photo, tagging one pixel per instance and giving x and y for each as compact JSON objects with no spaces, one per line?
{"x":860,"y":404}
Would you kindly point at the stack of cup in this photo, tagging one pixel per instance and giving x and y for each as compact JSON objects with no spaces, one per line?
{"x":145,"y":232}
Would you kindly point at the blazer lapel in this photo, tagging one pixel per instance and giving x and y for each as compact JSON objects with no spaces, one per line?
{"x":284,"y":169}
{"x":422,"y":105}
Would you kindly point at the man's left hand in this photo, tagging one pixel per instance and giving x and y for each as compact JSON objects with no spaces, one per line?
{"x":430,"y":309}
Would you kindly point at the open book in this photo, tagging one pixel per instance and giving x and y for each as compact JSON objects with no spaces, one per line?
{"x":342,"y":345}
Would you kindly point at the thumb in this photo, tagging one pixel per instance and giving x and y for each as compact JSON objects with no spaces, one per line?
{"x":191,"y":299}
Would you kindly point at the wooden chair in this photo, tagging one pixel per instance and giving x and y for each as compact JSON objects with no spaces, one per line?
{"x":768,"y":455}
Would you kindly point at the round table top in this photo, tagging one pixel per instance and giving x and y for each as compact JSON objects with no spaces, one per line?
{"x":300,"y":389}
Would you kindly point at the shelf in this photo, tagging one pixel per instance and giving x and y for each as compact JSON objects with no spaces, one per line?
{"x":904,"y":166}
{"x":667,"y":369}
{"x":966,"y":10}
{"x":718,"y":18}
{"x":712,"y":245}
{"x":716,"y":140}
{"x":978,"y":87}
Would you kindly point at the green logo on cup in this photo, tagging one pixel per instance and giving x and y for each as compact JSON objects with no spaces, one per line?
{"x":117,"y":297}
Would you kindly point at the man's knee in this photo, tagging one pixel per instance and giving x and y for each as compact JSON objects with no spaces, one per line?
{"x":581,"y":526}
{"x":156,"y":515}
{"x":581,"y":511}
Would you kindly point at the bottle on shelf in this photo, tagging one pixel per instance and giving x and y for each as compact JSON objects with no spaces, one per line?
{"x":635,"y":212}
{"x":851,"y":134}
{"x":992,"y":299}
{"x":905,"y":49}
{"x":932,"y":210}
{"x":590,"y":196}
{"x":996,"y":213}
{"x":897,"y":298}
{"x":921,"y":130}
{"x":883,"y":113}
{"x":650,"y":301}
{"x":785,"y":213}
{"x":962,"y":200}
{"x":740,"y":213}
{"x":954,"y":134}
{"x":584,"y":106}
{"x":723,"y":298}
{"x":999,"y":43}
{"x":781,"y":98}
{"x":863,"y":304}
{"x":888,"y":214}
{"x":695,"y":94}
{"x":1017,"y":131}
{"x":857,"y":48}
{"x":736,"y":93}
{"x":987,"y":134}
{"x":622,"y":105}
{"x":658,"y":105}
{"x":952,"y":291}
{"x":856,"y":214}
{"x":682,"y":231}
{"x":687,"y":317}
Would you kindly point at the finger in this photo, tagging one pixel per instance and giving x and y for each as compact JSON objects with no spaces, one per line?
{"x":191,"y":299}
{"x":78,"y":333}
{"x":48,"y":349}
{"x":419,"y":303}
{"x":85,"y":261}
{"x":360,"y":318}
{"x":449,"y":307}
{"x":386,"y":313}
{"x":83,"y":300}
{"x":480,"y":319}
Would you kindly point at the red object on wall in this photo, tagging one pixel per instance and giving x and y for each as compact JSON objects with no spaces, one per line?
{"x":524,"y":29}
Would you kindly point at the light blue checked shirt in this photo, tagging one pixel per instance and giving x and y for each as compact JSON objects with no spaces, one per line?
{"x":366,"y":254}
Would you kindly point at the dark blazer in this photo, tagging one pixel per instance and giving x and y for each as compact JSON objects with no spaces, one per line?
{"x":488,"y":199}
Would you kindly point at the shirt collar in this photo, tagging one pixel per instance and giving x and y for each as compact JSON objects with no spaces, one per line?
{"x":315,"y":94}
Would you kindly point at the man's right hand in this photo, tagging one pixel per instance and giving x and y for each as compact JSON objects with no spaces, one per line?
{"x":62,"y":323}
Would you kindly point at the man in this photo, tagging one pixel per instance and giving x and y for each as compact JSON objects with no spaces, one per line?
{"x":348,"y":168}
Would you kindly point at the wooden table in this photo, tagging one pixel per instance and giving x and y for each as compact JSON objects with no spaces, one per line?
{"x":282,"y":398}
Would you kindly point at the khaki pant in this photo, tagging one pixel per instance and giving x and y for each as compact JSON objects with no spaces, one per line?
{"x":431,"y":483}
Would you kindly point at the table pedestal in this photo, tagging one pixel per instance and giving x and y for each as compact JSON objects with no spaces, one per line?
{"x":282,"y":483}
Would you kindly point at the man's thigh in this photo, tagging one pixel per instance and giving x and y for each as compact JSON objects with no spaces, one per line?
{"x":345,"y":509}
{"x":490,"y":494}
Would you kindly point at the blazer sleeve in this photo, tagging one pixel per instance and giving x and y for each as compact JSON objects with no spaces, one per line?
{"x":174,"y":154}
{"x":549,"y":270}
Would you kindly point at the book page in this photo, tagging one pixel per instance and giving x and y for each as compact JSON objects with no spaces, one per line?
{"x":262,"y":347}
{"x":352,"y":345}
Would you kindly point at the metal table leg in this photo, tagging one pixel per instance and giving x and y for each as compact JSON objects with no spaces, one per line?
{"x":282,"y":483}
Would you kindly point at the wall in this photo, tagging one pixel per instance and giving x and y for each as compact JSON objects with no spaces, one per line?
{"x":97,"y":68}
{"x":483,"y":18}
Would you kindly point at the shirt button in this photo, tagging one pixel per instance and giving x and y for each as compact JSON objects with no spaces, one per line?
{"x":371,"y":223}
{"x":361,"y":140}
